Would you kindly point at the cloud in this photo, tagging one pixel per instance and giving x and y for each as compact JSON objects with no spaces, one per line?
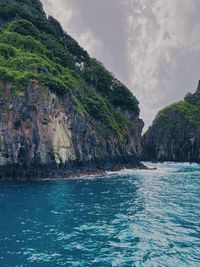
{"x":151,"y":45}
{"x":162,"y":40}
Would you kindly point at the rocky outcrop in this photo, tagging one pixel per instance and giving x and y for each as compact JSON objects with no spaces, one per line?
{"x":175,"y":133}
{"x":61,"y":112}
{"x":42,"y":135}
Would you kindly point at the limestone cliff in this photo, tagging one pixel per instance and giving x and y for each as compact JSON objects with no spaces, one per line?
{"x":175,"y":133}
{"x":61,"y":112}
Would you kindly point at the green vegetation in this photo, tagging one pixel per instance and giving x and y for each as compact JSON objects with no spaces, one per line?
{"x":34,"y":47}
{"x":24,"y":57}
{"x":189,"y":108}
{"x":110,"y":87}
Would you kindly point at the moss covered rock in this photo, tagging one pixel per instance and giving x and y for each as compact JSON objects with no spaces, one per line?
{"x":175,"y":132}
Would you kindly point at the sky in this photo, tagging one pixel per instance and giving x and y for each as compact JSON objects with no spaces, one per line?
{"x":152,"y":46}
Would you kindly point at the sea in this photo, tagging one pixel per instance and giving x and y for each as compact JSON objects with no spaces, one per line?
{"x":127,"y":218}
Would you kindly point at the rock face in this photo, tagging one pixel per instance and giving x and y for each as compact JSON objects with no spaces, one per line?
{"x":61,"y":112}
{"x":175,"y":133}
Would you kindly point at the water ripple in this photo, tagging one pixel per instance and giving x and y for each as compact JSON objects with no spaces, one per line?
{"x":129,"y":218}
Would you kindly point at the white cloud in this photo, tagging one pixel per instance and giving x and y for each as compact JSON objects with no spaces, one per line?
{"x":157,"y":30}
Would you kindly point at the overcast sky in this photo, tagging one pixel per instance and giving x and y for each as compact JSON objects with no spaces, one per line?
{"x":153,"y":46}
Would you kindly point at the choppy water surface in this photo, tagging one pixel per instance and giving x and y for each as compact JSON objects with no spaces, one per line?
{"x":135,"y":218}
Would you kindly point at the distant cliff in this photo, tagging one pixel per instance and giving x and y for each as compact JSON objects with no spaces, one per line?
{"x":61,"y":112}
{"x":175,"y":133}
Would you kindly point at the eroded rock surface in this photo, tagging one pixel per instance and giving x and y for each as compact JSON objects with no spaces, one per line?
{"x":175,"y":132}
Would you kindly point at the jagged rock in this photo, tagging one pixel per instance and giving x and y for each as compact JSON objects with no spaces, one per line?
{"x":175,"y":132}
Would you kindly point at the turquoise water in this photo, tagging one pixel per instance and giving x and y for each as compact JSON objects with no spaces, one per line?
{"x":132,"y":218}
